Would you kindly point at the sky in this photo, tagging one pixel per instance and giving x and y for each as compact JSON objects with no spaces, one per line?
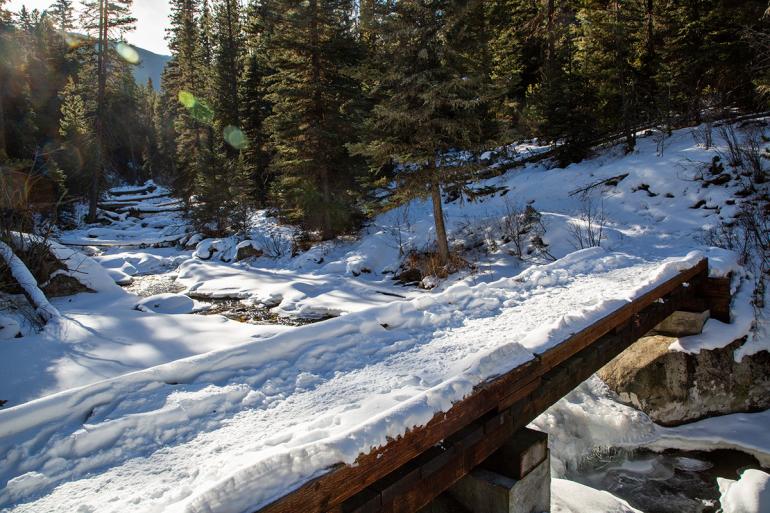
{"x":152,"y":16}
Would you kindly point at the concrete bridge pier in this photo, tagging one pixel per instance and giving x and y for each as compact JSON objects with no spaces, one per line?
{"x":514,"y":479}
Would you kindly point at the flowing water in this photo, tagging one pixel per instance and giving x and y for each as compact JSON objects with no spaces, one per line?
{"x":669,"y":482}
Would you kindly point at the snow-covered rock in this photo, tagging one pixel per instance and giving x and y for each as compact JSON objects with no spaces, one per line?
{"x":167,"y":304}
{"x":248,"y":249}
{"x":120,"y":277}
{"x":9,"y":328}
{"x":750,"y":494}
{"x":674,"y":387}
{"x":571,"y":497}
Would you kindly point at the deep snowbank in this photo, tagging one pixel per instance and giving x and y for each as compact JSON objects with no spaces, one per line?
{"x":232,"y":429}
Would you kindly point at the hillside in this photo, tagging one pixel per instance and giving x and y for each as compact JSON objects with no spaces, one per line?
{"x":151,"y":359}
{"x":150,"y":66}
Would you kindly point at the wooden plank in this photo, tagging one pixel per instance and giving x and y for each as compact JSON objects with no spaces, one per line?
{"x":518,"y":387}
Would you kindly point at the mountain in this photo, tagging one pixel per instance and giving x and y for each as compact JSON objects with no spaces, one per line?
{"x":150,"y":66}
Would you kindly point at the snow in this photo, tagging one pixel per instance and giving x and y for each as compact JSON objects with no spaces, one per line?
{"x":747,"y":432}
{"x":289,"y":293}
{"x":26,"y":281}
{"x":571,"y":497}
{"x":119,"y":409}
{"x":9,"y":327}
{"x":289,"y":406}
{"x":166,"y":304}
{"x":750,"y":494}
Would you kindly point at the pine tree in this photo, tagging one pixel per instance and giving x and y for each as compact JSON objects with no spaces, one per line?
{"x":610,"y":34}
{"x":75,"y":129}
{"x":107,"y":20}
{"x":313,"y":100}
{"x":255,"y":107}
{"x":184,"y":93}
{"x":561,"y":104}
{"x":63,"y":16}
{"x":5,"y":70}
{"x":434,"y":93}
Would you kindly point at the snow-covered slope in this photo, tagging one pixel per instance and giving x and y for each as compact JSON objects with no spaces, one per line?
{"x":231,"y":430}
{"x":129,"y":410}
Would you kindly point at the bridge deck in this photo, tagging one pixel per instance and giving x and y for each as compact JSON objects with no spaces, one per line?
{"x":410,"y":471}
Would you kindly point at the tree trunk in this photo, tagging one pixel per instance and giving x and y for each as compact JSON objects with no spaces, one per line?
{"x":29,"y":287}
{"x":622,"y":79}
{"x":100,"y":98}
{"x":3,"y":152}
{"x":438,"y":217}
{"x":327,"y":230}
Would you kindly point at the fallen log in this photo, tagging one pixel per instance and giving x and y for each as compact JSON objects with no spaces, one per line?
{"x":24,"y":278}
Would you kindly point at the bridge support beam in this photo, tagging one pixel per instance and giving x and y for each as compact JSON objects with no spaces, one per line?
{"x":514,"y":479}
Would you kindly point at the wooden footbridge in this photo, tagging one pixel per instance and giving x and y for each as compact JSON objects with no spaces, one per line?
{"x":409,"y":472}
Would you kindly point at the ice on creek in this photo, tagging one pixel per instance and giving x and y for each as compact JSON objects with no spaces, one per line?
{"x":749,"y":494}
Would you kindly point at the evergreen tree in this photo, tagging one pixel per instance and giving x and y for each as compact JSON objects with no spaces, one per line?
{"x":62,"y":13}
{"x":561,"y":105}
{"x":610,"y":33}
{"x":184,"y":93}
{"x":434,"y":92}
{"x":107,"y":20}
{"x":5,"y":71}
{"x":313,"y":98}
{"x":76,"y":155}
{"x":255,"y":107}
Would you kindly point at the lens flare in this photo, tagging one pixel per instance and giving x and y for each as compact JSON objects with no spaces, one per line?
{"x":197,"y":108}
{"x":72,"y":41}
{"x":128,"y":53}
{"x":187,"y":99}
{"x":235,"y":137}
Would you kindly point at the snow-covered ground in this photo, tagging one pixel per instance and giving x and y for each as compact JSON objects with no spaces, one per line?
{"x":126,"y":404}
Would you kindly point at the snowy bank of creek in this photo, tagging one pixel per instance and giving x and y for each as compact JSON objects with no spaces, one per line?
{"x":232,"y":429}
{"x":233,"y":308}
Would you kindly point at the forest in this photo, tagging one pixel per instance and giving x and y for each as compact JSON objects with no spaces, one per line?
{"x":424,"y":256}
{"x":308,"y":108}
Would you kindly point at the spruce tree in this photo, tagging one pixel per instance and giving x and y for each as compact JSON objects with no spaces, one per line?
{"x":610,"y":34}
{"x":76,"y":131}
{"x":104,"y":20}
{"x":5,"y":71}
{"x":434,"y":92}
{"x":255,"y":107}
{"x":313,"y":96}
{"x":184,"y":93}
{"x":63,"y":16}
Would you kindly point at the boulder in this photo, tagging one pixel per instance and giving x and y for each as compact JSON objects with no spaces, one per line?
{"x":248,"y":249}
{"x":167,"y":303}
{"x":61,"y":285}
{"x":674,"y":387}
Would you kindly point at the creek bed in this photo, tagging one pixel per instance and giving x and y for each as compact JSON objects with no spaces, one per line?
{"x":669,"y":482}
{"x":234,"y":309}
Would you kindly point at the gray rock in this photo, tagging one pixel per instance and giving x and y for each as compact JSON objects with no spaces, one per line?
{"x":675,"y":387}
{"x":247,"y":249}
{"x":683,"y":324}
